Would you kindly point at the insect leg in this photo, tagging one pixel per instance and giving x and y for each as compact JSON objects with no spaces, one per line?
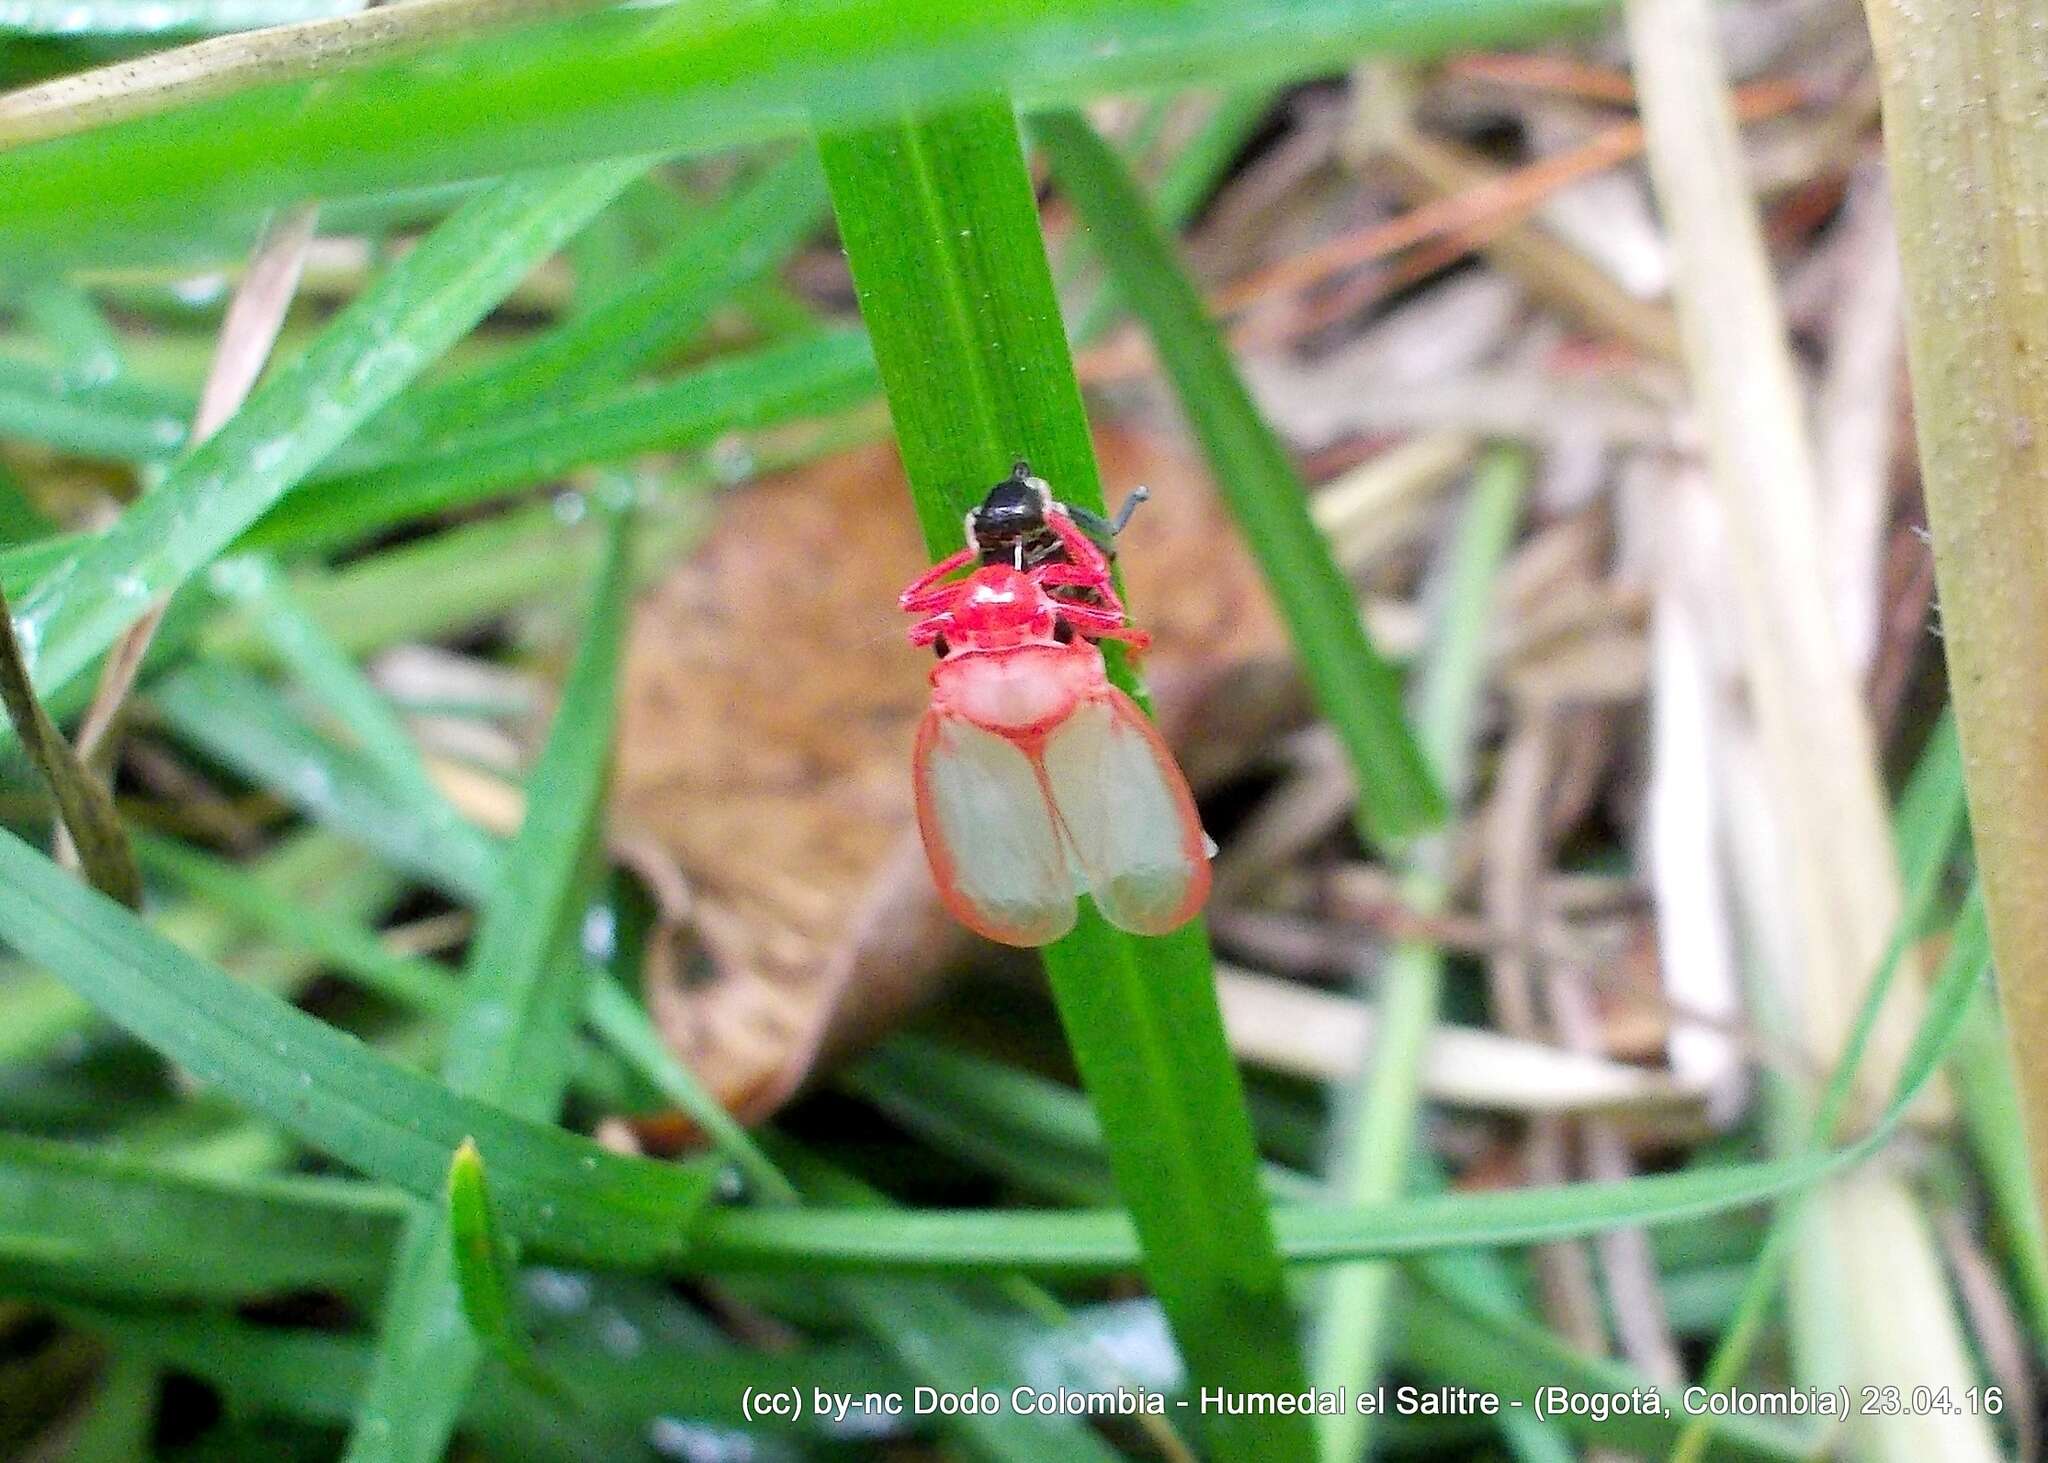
{"x":926,"y":593}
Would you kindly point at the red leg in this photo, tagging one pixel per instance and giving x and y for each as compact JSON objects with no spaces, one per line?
{"x":925,"y":593}
{"x":930,"y":628}
{"x":1082,"y":551}
{"x":1099,"y":623}
{"x":1090,"y":564}
{"x":1138,"y":641}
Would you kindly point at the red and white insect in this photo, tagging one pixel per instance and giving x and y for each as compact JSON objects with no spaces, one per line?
{"x":1037,"y":780}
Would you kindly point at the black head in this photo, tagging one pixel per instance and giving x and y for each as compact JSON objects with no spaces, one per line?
{"x":1013,"y":510}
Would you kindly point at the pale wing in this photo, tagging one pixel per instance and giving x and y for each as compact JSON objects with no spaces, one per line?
{"x":1127,"y":811}
{"x":995,"y":850}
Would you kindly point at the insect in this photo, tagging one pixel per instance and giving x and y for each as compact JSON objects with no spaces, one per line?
{"x":1037,"y":780}
{"x":1021,"y":524}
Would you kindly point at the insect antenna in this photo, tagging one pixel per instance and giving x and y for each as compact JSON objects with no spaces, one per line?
{"x":1138,"y":495}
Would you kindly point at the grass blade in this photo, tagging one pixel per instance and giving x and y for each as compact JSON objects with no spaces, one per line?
{"x":634,"y":323}
{"x":326,"y":670}
{"x":87,"y":1221}
{"x":246,"y":725}
{"x":1356,"y":689}
{"x":764,"y":387}
{"x":1085,"y":1241}
{"x":1374,"y":1152}
{"x":1962,"y":113}
{"x":419,"y":307}
{"x":157,"y":18}
{"x":418,"y":984}
{"x":698,"y":75}
{"x":511,"y":1041}
{"x":328,"y":1088}
{"x":578,"y":1203}
{"x":941,"y":229}
{"x":1186,"y":183}
{"x":484,"y":1270}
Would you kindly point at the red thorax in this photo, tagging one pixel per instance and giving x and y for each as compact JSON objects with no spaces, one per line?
{"x":998,"y":608}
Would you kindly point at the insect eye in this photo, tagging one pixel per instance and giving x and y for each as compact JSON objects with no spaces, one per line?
{"x":939,"y":646}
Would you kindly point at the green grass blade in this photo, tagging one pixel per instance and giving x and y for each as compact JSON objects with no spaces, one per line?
{"x":1185,"y":183}
{"x":576,"y":1202}
{"x":512,"y":1038}
{"x":248,"y":726}
{"x":278,"y":1372}
{"x":484,"y":1271}
{"x":941,"y":228}
{"x":71,"y":322}
{"x":510,"y":1042}
{"x":1990,"y":1099}
{"x":325,"y":670}
{"x":1373,"y":1153}
{"x":419,"y":307}
{"x":307,"y":870}
{"x":20,"y":520}
{"x":643,"y":316}
{"x":760,"y":389}
{"x":120,"y":422}
{"x":441,"y":584}
{"x":326,"y":1087}
{"x":123,"y":1417}
{"x":1511,"y":1357}
{"x":421,"y":985}
{"x":246,"y":721}
{"x":84,"y":1220}
{"x":944,"y":1342}
{"x":1355,"y":687}
{"x":1079,"y":1242}
{"x":698,"y":75}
